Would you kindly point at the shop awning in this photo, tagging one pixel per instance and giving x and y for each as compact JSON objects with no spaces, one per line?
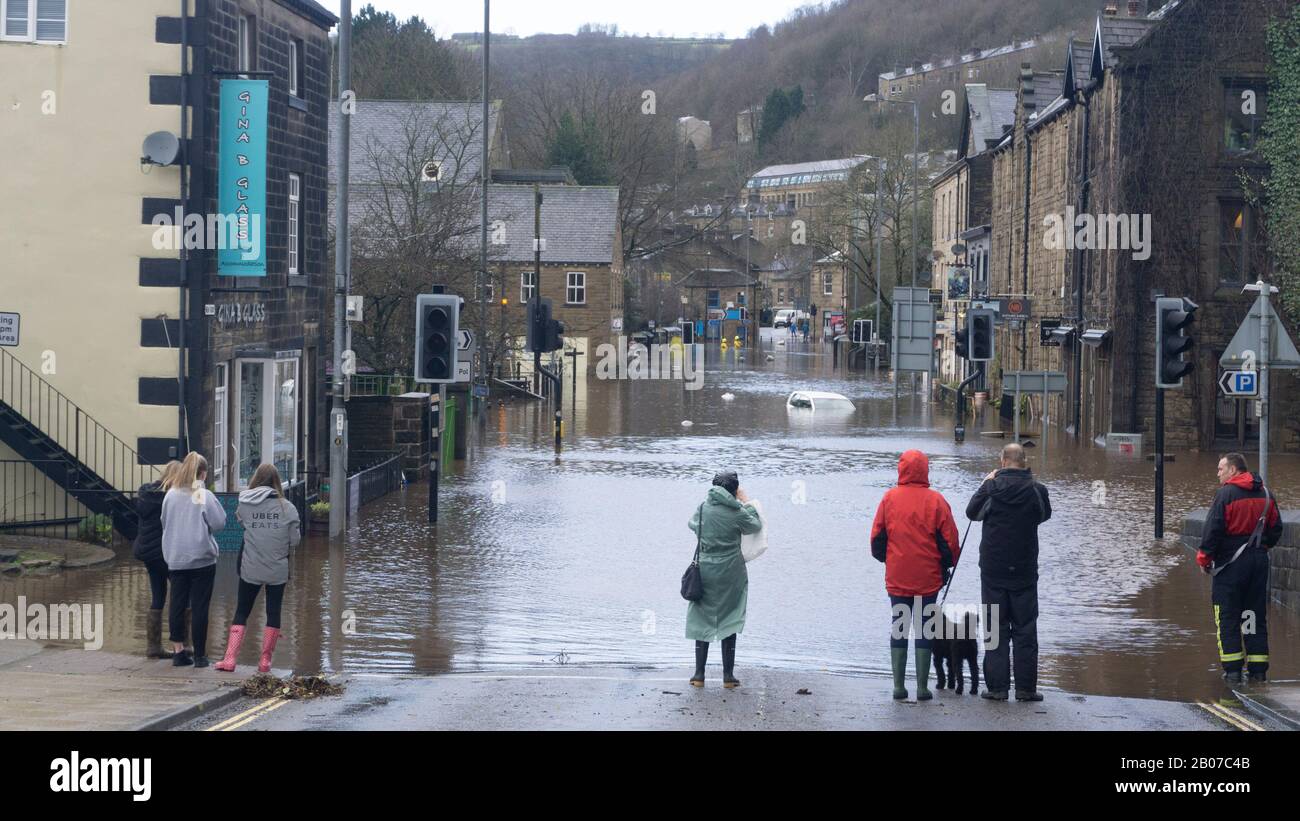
{"x":1095,"y":337}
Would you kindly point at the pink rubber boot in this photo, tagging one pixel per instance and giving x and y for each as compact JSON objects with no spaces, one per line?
{"x":269,"y":637}
{"x":233,"y":642}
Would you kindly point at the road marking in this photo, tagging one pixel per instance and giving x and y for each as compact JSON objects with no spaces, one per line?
{"x":277,"y":705}
{"x":249,"y":713}
{"x":1238,"y":721}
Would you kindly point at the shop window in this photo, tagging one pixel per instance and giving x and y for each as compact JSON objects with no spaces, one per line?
{"x":268,"y":417}
{"x":220,"y":412}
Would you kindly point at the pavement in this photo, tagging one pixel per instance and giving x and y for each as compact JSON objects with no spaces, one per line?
{"x":56,"y":686}
{"x":19,"y":554}
{"x":1278,"y":702}
{"x":647,"y":699}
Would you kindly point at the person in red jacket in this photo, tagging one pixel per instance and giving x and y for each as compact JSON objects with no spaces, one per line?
{"x":915,"y":536}
{"x":1242,"y":525}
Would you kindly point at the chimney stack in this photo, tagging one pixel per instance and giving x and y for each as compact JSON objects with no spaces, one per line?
{"x":1133,"y":8}
{"x":1111,"y":9}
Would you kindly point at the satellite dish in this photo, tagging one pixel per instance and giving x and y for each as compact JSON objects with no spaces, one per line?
{"x":958,"y":250}
{"x":161,"y":148}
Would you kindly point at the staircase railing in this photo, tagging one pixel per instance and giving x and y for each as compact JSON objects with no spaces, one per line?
{"x":61,"y":420}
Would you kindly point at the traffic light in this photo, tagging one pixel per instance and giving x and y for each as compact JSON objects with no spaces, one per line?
{"x":980,"y":324}
{"x":437,"y":326}
{"x":688,"y":333}
{"x":544,"y":334}
{"x":1174,"y":316}
{"x":962,"y":342}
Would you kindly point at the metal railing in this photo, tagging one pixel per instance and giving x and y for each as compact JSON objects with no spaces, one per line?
{"x":64,"y":423}
{"x":373,"y":384}
{"x":32,"y":503}
{"x":379,"y":479}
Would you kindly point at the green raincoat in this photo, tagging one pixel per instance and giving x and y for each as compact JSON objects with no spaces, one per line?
{"x":721,"y":612}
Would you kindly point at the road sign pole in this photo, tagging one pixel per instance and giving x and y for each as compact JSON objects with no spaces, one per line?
{"x":1265,"y":338}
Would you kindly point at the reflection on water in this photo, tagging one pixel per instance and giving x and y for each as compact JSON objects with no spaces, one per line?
{"x":539,"y":559}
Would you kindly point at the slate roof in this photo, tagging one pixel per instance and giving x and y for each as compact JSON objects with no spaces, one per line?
{"x":961,"y":60}
{"x":1078,"y":63}
{"x":988,"y":110}
{"x":384,"y":128}
{"x":579,"y":223}
{"x":1116,"y":31}
{"x":716,"y":278}
{"x":804,"y":172}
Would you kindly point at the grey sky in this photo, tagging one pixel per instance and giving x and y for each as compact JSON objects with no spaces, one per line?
{"x":524,"y":17}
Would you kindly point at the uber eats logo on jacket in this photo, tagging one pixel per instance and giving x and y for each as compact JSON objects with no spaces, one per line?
{"x":125,"y":775}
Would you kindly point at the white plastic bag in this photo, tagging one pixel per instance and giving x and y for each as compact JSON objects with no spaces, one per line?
{"x":754,"y":545}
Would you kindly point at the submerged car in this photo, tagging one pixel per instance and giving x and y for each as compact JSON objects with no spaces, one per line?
{"x":818,"y":400}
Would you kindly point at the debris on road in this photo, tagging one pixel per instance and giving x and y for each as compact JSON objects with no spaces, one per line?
{"x":264,"y":685}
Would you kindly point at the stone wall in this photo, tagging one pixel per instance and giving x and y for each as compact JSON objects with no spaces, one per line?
{"x":1284,"y":576}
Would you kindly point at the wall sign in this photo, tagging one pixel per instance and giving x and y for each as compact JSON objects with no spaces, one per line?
{"x":241,"y":186}
{"x":236,"y":313}
{"x":9,"y":330}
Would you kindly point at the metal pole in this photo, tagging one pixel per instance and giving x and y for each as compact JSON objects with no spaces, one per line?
{"x":342,"y":267}
{"x":1265,"y":345}
{"x":1016,"y":411}
{"x":182,"y":443}
{"x":537,"y":284}
{"x":486,"y":170}
{"x":916,"y":182}
{"x":1160,"y":463}
{"x":880,"y":296}
{"x":435,"y":451}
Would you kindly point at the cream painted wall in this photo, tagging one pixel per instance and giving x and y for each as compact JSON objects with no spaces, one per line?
{"x":70,"y":206}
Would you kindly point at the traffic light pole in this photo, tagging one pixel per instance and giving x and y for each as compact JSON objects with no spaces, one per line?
{"x":435,"y":451}
{"x":1160,"y":463}
{"x":1265,"y":340}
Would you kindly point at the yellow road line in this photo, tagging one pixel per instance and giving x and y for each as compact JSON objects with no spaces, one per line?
{"x":1240,"y":722}
{"x":277,"y":705}
{"x":252,"y":710}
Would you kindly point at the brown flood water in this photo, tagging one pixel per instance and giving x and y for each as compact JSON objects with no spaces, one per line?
{"x":546,"y":561}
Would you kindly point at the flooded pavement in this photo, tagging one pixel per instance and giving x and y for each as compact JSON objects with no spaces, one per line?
{"x":575,"y":560}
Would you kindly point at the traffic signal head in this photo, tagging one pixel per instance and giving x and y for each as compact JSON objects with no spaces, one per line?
{"x":963,"y":342}
{"x":436,"y":329}
{"x":554,"y":337}
{"x":1174,"y":318}
{"x":980,"y":324}
{"x":544,"y":334}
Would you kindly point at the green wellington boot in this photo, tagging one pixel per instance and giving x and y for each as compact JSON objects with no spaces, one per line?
{"x":923,"y":675}
{"x":898,"y":660}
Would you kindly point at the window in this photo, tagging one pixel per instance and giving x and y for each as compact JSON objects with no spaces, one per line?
{"x":34,"y":21}
{"x":295,"y":68}
{"x":267,"y":402}
{"x":295,"y":230}
{"x":220,"y":410}
{"x":1243,"y":117}
{"x":715,"y":298}
{"x":576,"y":291}
{"x":527,"y":285}
{"x":247,"y":37}
{"x":780,"y":296}
{"x":828,"y":283}
{"x":487,"y":290}
{"x":1242,"y":246}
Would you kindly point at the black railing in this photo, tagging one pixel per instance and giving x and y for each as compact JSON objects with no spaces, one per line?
{"x":33,"y":504}
{"x":379,"y":479}
{"x":63,"y":422}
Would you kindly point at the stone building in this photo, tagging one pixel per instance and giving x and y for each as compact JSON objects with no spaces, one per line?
{"x":158,"y":350}
{"x":1123,"y":181}
{"x":976,"y":66}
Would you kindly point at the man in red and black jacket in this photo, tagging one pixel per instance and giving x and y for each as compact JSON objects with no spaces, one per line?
{"x":1239,"y":563}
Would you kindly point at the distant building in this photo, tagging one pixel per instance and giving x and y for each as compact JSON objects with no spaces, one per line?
{"x":695,"y":131}
{"x":747,"y":124}
{"x":798,"y":185}
{"x":973,"y":67}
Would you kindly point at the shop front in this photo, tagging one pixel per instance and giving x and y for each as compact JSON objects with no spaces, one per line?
{"x":259,"y":417}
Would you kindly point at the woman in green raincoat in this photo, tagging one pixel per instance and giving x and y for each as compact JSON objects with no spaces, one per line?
{"x":719,"y":523}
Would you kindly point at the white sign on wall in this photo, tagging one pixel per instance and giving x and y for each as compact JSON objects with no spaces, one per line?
{"x":9,"y":330}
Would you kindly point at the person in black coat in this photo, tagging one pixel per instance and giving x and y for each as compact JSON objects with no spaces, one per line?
{"x":1011,"y":506}
{"x":148,"y":549}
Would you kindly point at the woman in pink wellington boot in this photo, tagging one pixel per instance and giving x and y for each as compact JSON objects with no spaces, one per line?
{"x":271,"y":530}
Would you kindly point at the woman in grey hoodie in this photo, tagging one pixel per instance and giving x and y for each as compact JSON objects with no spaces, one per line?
{"x":190,"y":515}
{"x":271,"y":530}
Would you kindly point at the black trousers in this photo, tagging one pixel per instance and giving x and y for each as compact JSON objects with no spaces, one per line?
{"x":1240,"y":597}
{"x":157,"y":583}
{"x":192,"y":589}
{"x":1014,"y":614}
{"x":248,"y":597}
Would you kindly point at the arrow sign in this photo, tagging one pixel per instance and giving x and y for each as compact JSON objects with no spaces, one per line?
{"x":464,"y":340}
{"x":1239,"y":383}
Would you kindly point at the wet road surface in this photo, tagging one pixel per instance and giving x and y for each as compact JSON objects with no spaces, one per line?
{"x":574,"y":562}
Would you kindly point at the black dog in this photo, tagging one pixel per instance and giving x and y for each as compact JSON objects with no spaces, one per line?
{"x":952,"y":648}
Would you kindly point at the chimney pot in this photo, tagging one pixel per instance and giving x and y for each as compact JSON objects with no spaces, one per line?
{"x":1133,"y":8}
{"x":1111,"y":9}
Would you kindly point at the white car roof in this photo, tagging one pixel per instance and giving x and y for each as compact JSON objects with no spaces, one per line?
{"x":821,"y":395}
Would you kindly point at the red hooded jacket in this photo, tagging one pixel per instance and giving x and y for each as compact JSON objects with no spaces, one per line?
{"x":914,"y":533}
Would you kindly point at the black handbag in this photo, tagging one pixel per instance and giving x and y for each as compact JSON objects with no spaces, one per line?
{"x":692,"y":584}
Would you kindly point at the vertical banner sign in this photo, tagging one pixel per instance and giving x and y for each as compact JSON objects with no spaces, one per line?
{"x":241,"y":197}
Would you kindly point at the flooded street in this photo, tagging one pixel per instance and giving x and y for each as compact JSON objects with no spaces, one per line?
{"x":576,"y":560}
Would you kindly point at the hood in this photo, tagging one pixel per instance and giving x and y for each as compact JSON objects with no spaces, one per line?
{"x":151,"y":492}
{"x":1246,"y":481}
{"x":914,"y":469}
{"x":722,"y":496}
{"x":256,"y":495}
{"x":1014,"y":486}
